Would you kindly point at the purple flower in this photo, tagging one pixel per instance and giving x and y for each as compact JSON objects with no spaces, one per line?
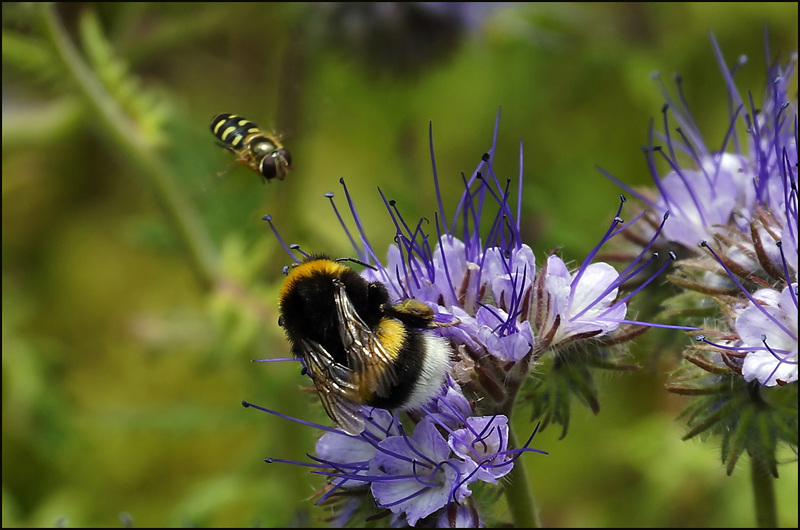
{"x":418,"y":475}
{"x":733,"y":210}
{"x":354,"y":453}
{"x":585,"y":304}
{"x":743,"y":193}
{"x":413,"y":475}
{"x":738,"y":205}
{"x":484,"y":439}
{"x":700,"y":201}
{"x":505,"y":344}
{"x":768,"y":328}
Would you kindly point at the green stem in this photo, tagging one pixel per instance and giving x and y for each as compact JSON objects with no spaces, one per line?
{"x":518,"y":492}
{"x":763,"y":493}
{"x":144,"y":160}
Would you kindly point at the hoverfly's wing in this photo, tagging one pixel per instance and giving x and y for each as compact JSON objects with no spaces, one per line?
{"x":336,"y":386}
{"x":366,"y":354}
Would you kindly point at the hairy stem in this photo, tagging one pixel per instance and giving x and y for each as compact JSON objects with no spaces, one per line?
{"x":126,"y":136}
{"x":519,"y":496}
{"x":763,"y":493}
{"x":518,"y":492}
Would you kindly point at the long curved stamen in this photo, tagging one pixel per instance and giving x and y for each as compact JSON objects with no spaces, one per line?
{"x":616,"y":221}
{"x":485,"y":432}
{"x":781,"y":360}
{"x":644,"y":250}
{"x":295,"y":246}
{"x":747,"y":294}
{"x":404,"y":245}
{"x":697,"y":159}
{"x":404,"y":499}
{"x":519,"y":189}
{"x":731,"y":132}
{"x":297,"y":420}
{"x":475,"y":175}
{"x":359,"y":252}
{"x":439,"y":202}
{"x":368,"y":252}
{"x":732,"y":90}
{"x":615,"y":285}
{"x":419,"y":479}
{"x":413,"y":448}
{"x":672,"y":257}
{"x":670,"y":145}
{"x":630,"y":191}
{"x":696,"y":200}
{"x":733,"y":351}
{"x":268,"y":218}
{"x":443,"y":254}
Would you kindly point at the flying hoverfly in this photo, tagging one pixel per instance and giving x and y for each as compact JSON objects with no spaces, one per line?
{"x":261,"y":151}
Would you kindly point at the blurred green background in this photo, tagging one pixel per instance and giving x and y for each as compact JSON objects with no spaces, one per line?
{"x":139,"y":280}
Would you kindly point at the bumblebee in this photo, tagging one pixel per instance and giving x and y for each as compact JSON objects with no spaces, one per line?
{"x":260,"y":151}
{"x":359,"y":348}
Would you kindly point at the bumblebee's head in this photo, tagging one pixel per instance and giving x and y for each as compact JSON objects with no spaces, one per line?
{"x":307,"y":297}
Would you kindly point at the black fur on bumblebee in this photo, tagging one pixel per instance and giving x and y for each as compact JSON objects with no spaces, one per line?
{"x":358,"y":347}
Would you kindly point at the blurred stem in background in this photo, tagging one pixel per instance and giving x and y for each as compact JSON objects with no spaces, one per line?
{"x":202,"y":254}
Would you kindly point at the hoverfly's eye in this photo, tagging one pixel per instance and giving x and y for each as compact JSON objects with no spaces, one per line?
{"x":269,"y":169}
{"x":283,"y":153}
{"x":276,"y":165}
{"x":261,"y":147}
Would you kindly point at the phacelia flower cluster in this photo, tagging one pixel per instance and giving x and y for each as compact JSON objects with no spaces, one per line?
{"x":734,"y":217}
{"x":502,"y":316}
{"x":510,"y":314}
{"x":422,"y":474}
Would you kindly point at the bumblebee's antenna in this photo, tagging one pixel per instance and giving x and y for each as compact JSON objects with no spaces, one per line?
{"x":357,"y":261}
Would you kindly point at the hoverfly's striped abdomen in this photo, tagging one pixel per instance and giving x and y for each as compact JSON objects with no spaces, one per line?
{"x":232,"y":130}
{"x":260,"y":151}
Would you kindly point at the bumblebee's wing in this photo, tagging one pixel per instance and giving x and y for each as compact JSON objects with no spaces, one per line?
{"x":366,"y":354}
{"x":335,"y":385}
